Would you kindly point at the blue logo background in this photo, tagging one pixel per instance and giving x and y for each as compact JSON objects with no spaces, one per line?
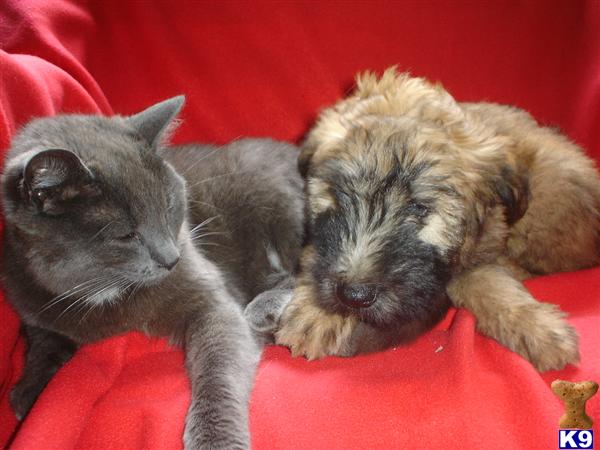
{"x":576,"y":439}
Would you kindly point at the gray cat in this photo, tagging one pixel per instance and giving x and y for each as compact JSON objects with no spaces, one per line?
{"x":107,"y":230}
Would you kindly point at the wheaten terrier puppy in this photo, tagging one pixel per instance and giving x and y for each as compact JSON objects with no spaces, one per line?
{"x":416,"y":200}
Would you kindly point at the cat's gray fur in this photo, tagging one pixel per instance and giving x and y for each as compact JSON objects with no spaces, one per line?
{"x":100,"y":240}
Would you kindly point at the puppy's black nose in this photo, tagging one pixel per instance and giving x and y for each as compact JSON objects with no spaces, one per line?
{"x":356,"y":295}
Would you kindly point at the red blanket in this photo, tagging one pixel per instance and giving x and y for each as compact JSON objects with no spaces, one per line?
{"x":267,"y":69}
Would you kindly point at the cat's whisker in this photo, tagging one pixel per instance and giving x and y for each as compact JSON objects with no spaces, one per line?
{"x":211,"y":153}
{"x":203,"y":224}
{"x":112,"y":283}
{"x":101,"y":230}
{"x":136,"y":287}
{"x":206,"y":180}
{"x":93,"y":305}
{"x":201,"y":244}
{"x":74,"y":290}
{"x":78,"y":287}
{"x":115,"y":283}
{"x":87,"y":313}
{"x":85,"y":303}
{"x":220,"y":233}
{"x":210,"y":205}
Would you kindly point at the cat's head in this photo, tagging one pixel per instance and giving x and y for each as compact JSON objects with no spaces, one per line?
{"x":91,"y":205}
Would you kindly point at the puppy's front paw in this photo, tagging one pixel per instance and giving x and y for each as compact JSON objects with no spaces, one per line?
{"x":549,"y":342}
{"x":507,"y":312}
{"x":314,"y":333}
{"x":540,"y":334}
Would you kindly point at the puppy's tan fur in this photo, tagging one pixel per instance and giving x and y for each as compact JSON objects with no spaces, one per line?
{"x":545,"y":219}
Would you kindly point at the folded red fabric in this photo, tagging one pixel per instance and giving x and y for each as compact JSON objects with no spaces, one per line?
{"x":267,"y":68}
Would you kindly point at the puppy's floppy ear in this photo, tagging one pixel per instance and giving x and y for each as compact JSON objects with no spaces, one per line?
{"x":512,"y":190}
{"x":307,"y":151}
{"x":153,"y":123}
{"x":53,"y":178}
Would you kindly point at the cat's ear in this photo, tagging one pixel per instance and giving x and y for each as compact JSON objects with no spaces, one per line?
{"x":53,"y":178}
{"x":152,"y":123}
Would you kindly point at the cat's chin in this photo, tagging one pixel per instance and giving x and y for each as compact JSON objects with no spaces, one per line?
{"x":155,"y":280}
{"x":108,"y":296}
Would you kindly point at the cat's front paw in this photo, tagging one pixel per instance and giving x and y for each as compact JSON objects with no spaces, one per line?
{"x":264,"y":311}
{"x":195,"y":438}
{"x":314,"y":333}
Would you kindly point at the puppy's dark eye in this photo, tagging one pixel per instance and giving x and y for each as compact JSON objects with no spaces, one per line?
{"x":128,"y":237}
{"x":418,"y":210}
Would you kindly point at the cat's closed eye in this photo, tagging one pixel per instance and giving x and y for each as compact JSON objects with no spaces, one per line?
{"x":127,"y":237}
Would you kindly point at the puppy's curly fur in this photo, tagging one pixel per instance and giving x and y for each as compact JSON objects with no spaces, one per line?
{"x":414,"y":199}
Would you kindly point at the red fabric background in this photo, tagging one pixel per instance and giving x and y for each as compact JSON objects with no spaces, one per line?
{"x":267,"y":69}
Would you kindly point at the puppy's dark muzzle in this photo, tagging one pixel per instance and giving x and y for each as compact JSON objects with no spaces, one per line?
{"x":356,"y":295}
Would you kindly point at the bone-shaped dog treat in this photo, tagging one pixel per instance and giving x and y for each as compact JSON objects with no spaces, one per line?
{"x":574,"y":396}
